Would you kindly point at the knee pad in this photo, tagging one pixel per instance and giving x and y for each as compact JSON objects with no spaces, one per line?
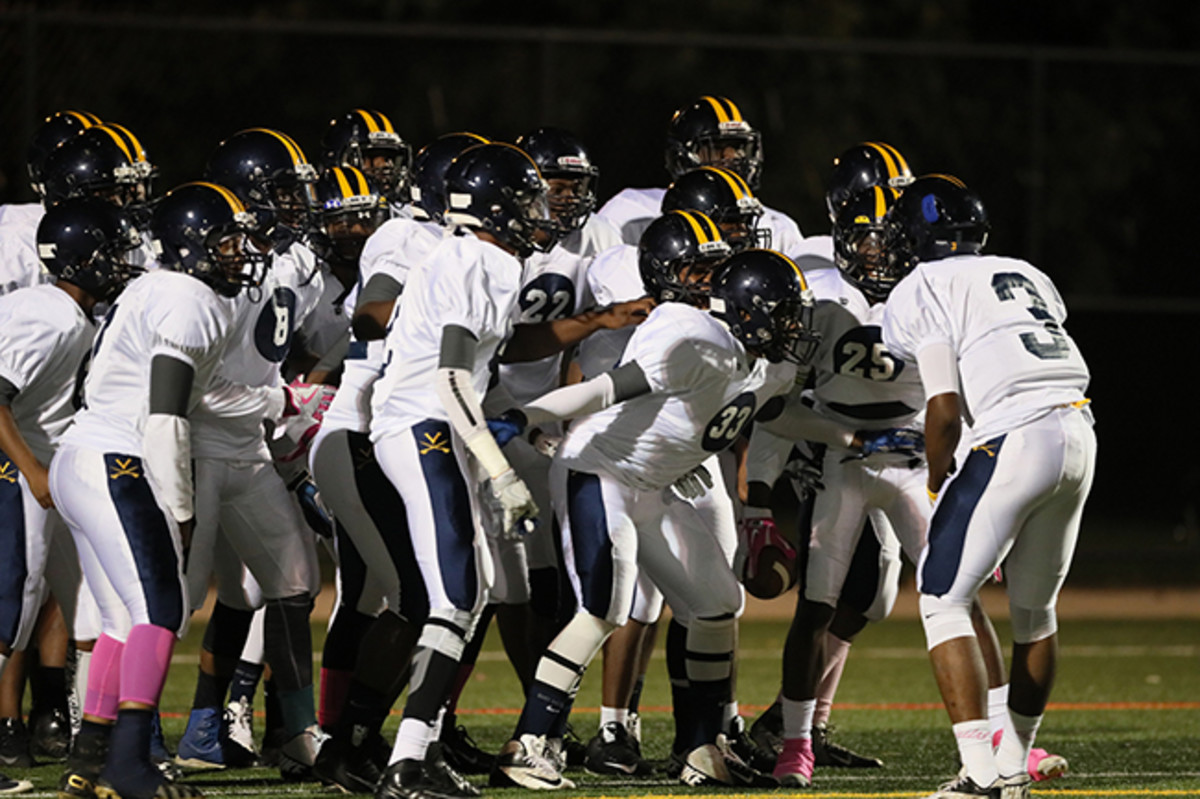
{"x":572,"y":650}
{"x":709,"y":648}
{"x":447,"y":630}
{"x":945,"y":619}
{"x":1033,"y":624}
{"x":886,"y":592}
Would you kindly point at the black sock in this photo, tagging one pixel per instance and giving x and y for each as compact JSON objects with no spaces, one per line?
{"x":128,"y":767}
{"x":210,"y":691}
{"x":245,"y":681}
{"x":48,"y":688}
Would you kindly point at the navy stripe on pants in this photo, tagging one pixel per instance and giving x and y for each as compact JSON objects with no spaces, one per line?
{"x":589,"y":537}
{"x":13,"y":571}
{"x":450,"y":500}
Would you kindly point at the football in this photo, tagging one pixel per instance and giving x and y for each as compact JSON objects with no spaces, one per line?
{"x":769,"y":572}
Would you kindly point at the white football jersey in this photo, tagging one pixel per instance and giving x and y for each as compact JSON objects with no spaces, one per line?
{"x":162,"y":312}
{"x":398,"y":245}
{"x":785,"y":233}
{"x":631,"y":211}
{"x":555,"y":287}
{"x":1004,"y":318}
{"x":612,"y":277}
{"x":856,"y":381}
{"x":465,"y":281}
{"x":329,"y":320}
{"x":704,"y":390}
{"x":44,"y":341}
{"x":264,"y":322}
{"x":20,"y":266}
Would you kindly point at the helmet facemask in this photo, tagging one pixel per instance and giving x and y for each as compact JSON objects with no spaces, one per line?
{"x":737,"y":148}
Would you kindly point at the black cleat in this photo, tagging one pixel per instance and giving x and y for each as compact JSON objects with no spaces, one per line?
{"x":745,"y":748}
{"x":429,"y":779}
{"x":14,"y":744}
{"x":613,"y":751}
{"x":828,"y":753}
{"x":462,"y":753}
{"x":49,"y":733}
{"x":349,"y":769}
{"x":767,"y":730}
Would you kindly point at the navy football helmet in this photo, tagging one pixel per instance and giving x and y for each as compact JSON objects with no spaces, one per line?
{"x":712,"y":132}
{"x":871,"y":163}
{"x":351,"y":208}
{"x":428,"y":186}
{"x":497,"y":188}
{"x":861,"y":243}
{"x":365,"y":139}
{"x":937,"y":216}
{"x":270,"y":174}
{"x":54,"y":130}
{"x":764,"y":299}
{"x":568,"y":169}
{"x":87,"y":241}
{"x":203,"y":229}
{"x":726,"y":199}
{"x":104,"y":161}
{"x":677,"y":256}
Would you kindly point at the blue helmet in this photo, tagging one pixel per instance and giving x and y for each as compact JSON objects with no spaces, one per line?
{"x":497,"y":188}
{"x":677,"y":255}
{"x":428,"y":186}
{"x":764,"y":299}
{"x":365,"y":139}
{"x":937,"y":216}
{"x":86,"y":241}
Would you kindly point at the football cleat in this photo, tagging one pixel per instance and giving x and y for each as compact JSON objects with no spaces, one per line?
{"x":716,"y":764}
{"x":523,"y":763}
{"x":237,"y":735}
{"x":9,"y":785}
{"x":794,"y":768}
{"x":1016,"y":787}
{"x":613,"y":751}
{"x":744,"y":746}
{"x":829,"y":753}
{"x":298,"y":754}
{"x":462,"y":753}
{"x":1046,"y":766}
{"x":964,"y":786}
{"x":347,"y":768}
{"x":49,"y":733}
{"x":14,"y":744}
{"x":767,"y":729}
{"x":431,"y":779}
{"x":200,"y":746}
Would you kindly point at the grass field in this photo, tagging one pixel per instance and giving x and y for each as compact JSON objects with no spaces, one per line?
{"x":1126,"y":713}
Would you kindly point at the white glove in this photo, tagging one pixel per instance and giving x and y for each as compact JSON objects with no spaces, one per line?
{"x":546,"y":444}
{"x":519,"y":510}
{"x":693,"y":485}
{"x":303,"y":412}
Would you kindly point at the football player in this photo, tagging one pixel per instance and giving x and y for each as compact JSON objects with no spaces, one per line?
{"x":249,"y":530}
{"x":129,"y":502}
{"x":710,"y":131}
{"x":365,"y":139}
{"x":47,"y":334}
{"x":1019,"y":494}
{"x":430,"y":435}
{"x":634,"y":434}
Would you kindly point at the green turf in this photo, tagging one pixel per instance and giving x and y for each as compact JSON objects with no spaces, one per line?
{"x":1112,"y":751}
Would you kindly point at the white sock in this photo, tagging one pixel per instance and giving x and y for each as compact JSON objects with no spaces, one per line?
{"x":613,"y":714}
{"x":83,"y":662}
{"x":1019,"y":733}
{"x":975,"y":750}
{"x":798,"y":717}
{"x":412,"y":739}
{"x":730,"y":716}
{"x":997,"y":699}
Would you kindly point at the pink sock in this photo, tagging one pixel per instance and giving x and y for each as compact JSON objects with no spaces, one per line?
{"x":104,"y":679}
{"x":145,"y":662}
{"x":335,"y":684}
{"x":836,"y":651}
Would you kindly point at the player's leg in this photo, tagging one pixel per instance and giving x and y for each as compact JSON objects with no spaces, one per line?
{"x":599,"y":547}
{"x":1037,"y":565}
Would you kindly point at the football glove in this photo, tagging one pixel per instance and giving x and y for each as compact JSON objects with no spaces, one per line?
{"x":507,"y":426}
{"x":545,"y":444}
{"x":693,"y":485}
{"x":315,"y":512}
{"x":806,"y":474}
{"x":519,"y":511}
{"x":303,"y":413}
{"x":898,"y":440}
{"x":756,"y":532}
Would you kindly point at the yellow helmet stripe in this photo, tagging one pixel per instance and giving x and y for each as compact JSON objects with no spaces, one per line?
{"x":881,"y":204}
{"x":735,"y":113}
{"x":885,"y":152}
{"x":901,"y":164}
{"x":361,"y":180}
{"x":719,"y":108}
{"x":343,"y":184}
{"x":702,"y":227}
{"x":85,"y":118}
{"x":948,"y":178}
{"x":739,"y":186}
{"x":132,"y":141}
{"x":119,"y":140}
{"x":369,"y":119}
{"x":288,"y":142}
{"x":799,"y":274}
{"x":230,"y":197}
{"x":385,"y":122}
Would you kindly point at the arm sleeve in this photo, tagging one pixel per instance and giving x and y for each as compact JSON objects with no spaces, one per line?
{"x":8,"y":392}
{"x":460,"y":400}
{"x":379,"y":288}
{"x":799,"y":422}
{"x":593,"y":395}
{"x":766,"y":457}
{"x":167,"y":447}
{"x":938,"y":364}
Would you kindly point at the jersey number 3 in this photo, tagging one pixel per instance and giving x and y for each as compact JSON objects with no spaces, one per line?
{"x":725,"y":427}
{"x":1007,"y":285}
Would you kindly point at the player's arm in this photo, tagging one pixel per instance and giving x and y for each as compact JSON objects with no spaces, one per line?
{"x":618,"y":385}
{"x":15,"y":447}
{"x":938,"y":364}
{"x":374,"y":308}
{"x":531,"y":342}
{"x":167,"y":448}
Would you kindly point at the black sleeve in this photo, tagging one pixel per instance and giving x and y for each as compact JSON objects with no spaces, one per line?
{"x":170,"y":385}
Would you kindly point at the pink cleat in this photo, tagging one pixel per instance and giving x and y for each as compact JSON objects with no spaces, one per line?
{"x":794,"y":767}
{"x":1044,"y":766}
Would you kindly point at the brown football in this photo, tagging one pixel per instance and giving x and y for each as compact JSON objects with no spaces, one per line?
{"x":776,"y":573}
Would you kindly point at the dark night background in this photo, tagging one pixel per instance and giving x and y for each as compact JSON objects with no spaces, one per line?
{"x":1076,"y":122}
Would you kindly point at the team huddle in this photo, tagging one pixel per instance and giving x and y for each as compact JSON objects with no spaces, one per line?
{"x":490,"y":399}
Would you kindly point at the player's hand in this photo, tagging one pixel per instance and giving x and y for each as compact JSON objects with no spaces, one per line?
{"x":806,"y":474}
{"x":307,"y":399}
{"x":693,"y":485}
{"x":302,"y":417}
{"x":519,"y":510}
{"x":544,"y":443}
{"x":757,"y":531}
{"x":318,"y":517}
{"x":624,"y":314}
{"x":39,"y":486}
{"x":507,"y":426}
{"x":897,"y":440}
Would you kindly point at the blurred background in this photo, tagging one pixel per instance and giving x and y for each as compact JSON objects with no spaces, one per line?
{"x":1075,"y":121}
